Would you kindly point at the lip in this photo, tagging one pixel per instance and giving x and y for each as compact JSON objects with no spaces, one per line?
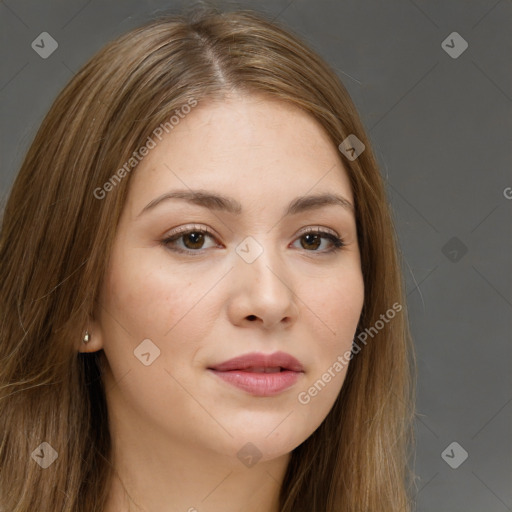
{"x":237,"y":372}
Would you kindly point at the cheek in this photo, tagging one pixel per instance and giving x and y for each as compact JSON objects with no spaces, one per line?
{"x":337,"y":304}
{"x":150,"y":299}
{"x":149,"y":296}
{"x":147,"y":300}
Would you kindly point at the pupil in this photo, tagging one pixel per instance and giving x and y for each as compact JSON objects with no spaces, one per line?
{"x":315,"y":239}
{"x":195,"y":237}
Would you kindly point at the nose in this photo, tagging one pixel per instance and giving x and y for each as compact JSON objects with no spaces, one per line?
{"x":262,"y":293}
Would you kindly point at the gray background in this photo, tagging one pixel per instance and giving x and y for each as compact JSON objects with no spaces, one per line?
{"x":441,"y":128}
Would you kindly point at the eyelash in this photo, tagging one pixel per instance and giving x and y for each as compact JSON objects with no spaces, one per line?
{"x":338,"y":243}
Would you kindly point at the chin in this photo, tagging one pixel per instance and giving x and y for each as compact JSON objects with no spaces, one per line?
{"x":259,"y":444}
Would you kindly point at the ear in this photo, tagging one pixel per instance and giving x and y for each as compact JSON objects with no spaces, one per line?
{"x":95,"y":337}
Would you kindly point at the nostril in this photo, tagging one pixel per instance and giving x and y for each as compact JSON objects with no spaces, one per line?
{"x":251,"y":317}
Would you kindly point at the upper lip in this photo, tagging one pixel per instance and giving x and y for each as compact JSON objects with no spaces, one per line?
{"x":257,"y":359}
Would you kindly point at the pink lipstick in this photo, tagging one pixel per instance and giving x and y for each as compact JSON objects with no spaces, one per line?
{"x":260,"y":374}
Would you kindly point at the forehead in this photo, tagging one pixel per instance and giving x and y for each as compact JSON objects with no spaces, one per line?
{"x":249,"y":146}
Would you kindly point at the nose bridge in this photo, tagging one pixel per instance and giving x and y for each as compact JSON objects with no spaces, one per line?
{"x":265,"y":283}
{"x":261,"y":263}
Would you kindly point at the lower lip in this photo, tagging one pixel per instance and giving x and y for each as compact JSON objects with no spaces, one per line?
{"x":260,"y":384}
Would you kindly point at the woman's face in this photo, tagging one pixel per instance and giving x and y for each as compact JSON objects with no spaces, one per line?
{"x":175,"y":306}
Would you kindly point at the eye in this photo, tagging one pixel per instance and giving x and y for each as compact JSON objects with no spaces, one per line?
{"x":312,"y":239}
{"x":193,"y":239}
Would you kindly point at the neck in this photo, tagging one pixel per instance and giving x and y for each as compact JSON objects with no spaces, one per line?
{"x":184,"y":480}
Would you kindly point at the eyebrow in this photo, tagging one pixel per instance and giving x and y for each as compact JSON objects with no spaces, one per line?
{"x":219,"y":202}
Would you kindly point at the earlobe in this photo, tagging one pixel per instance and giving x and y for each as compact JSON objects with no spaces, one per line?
{"x":91,"y":339}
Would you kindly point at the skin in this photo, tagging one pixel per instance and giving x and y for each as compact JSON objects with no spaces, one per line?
{"x":177,"y":428}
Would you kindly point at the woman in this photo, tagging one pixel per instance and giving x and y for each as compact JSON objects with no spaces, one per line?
{"x":202,"y":304}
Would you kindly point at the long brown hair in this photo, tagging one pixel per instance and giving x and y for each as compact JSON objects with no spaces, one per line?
{"x":56,"y":238}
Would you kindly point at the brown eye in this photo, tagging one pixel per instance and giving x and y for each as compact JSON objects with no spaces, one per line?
{"x":192,"y":240}
{"x":311,"y":240}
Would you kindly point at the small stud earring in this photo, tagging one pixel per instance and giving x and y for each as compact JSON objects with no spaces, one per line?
{"x":86,"y":337}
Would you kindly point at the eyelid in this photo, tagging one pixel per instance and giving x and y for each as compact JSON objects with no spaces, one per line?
{"x":188,"y":228}
{"x":191,"y":227}
{"x":320,"y":229}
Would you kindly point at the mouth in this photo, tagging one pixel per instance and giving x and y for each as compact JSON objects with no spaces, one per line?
{"x":257,"y":362}
{"x":260,"y":374}
{"x":261,"y":369}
